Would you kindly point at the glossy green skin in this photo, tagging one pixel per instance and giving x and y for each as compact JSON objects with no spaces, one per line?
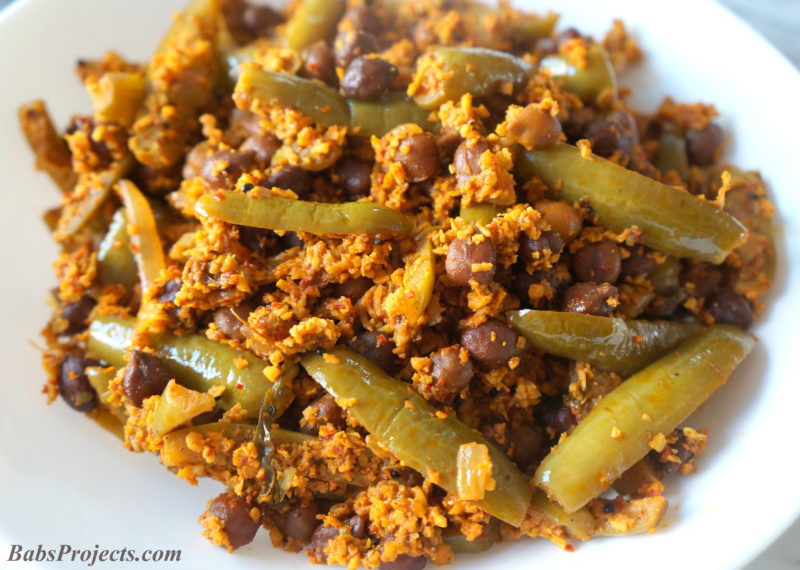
{"x":275,"y":213}
{"x":484,"y":542}
{"x":524,"y":27}
{"x":578,"y":524}
{"x":115,"y":262}
{"x":376,"y":118}
{"x":656,"y":400}
{"x":586,"y":83}
{"x":474,"y":70}
{"x":313,"y":20}
{"x":195,"y":362}
{"x":326,"y":106}
{"x":608,"y":343}
{"x":670,"y":219}
{"x":671,"y":155}
{"x":480,"y":213}
{"x":412,"y":432}
{"x":315,"y":99}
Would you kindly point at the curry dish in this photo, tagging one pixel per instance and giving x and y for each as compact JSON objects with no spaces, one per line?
{"x":372,"y":265}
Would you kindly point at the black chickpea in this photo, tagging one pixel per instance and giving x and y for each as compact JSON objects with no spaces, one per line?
{"x":367,"y":77}
{"x":467,"y":259}
{"x":236,"y":518}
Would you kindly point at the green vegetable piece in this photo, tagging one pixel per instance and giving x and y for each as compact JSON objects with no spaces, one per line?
{"x":234,"y":58}
{"x":460,"y":544}
{"x":312,"y":21}
{"x":147,"y":249}
{"x":420,"y":278}
{"x":671,"y":155}
{"x":100,"y":377}
{"x":257,"y":87}
{"x":531,"y":27}
{"x":460,"y":70}
{"x":194,"y":361}
{"x":615,"y":434}
{"x":615,"y":345}
{"x":117,"y":96}
{"x":578,"y":524}
{"x":376,"y":118}
{"x":299,"y":216}
{"x":524,"y":28}
{"x":115,"y":262}
{"x":480,"y":213}
{"x":665,"y":278}
{"x":587,"y":83}
{"x":670,"y":219}
{"x":406,"y":424}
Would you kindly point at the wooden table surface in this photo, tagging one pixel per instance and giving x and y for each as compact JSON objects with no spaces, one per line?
{"x":779,"y":22}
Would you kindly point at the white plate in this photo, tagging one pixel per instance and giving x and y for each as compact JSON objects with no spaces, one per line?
{"x":64,"y":481}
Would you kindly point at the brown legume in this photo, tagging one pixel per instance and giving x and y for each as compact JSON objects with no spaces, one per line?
{"x":353,"y":176}
{"x":562,"y":218}
{"x":534,"y":128}
{"x":448,"y":369}
{"x":320,"y":64}
{"x":376,"y":347}
{"x":466,"y":160}
{"x":77,"y":314}
{"x":322,"y":536}
{"x":639,"y":262}
{"x":299,"y":521}
{"x":353,"y":289}
{"x":237,"y":523}
{"x":492,"y":344}
{"x":367,"y":77}
{"x":145,"y":376}
{"x":701,"y":278}
{"x":590,"y":298}
{"x":532,"y":250}
{"x":263,"y":145}
{"x":526,"y":444}
{"x":364,"y":18}
{"x":290,"y":177}
{"x":255,"y":239}
{"x":731,"y":308}
{"x":419,"y":156}
{"x":258,"y":19}
{"x":352,"y":44}
{"x":229,"y":320}
{"x":73,"y":384}
{"x":358,"y":526}
{"x":558,"y":416}
{"x":598,"y":262}
{"x":703,"y":146}
{"x":327,"y":411}
{"x":223,"y":168}
{"x":463,"y":254}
